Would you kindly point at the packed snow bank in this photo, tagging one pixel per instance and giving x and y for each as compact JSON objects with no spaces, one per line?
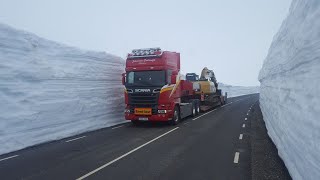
{"x":49,"y":91}
{"x":290,"y":87}
{"x":234,"y":91}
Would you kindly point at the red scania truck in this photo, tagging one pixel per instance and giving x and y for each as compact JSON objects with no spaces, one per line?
{"x":154,"y":88}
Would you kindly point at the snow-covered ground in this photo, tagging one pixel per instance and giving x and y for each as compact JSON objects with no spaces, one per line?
{"x":290,"y":90}
{"x":234,"y":91}
{"x":49,"y":91}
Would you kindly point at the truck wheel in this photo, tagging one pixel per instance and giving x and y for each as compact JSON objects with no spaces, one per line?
{"x":194,"y":110}
{"x":197,"y":109}
{"x":176,"y":116}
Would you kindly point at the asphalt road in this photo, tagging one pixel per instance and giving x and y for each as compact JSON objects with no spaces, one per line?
{"x":210,"y":146}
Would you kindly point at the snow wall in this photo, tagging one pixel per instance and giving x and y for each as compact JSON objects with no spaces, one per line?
{"x":290,"y":90}
{"x":234,"y":91}
{"x":49,"y":91}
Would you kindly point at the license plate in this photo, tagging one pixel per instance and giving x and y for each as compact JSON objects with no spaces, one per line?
{"x":143,"y":119}
{"x":142,"y":111}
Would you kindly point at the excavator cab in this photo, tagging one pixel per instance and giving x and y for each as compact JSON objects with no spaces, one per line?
{"x":192,"y":77}
{"x":207,"y":74}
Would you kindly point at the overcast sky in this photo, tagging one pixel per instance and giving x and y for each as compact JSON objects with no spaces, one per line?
{"x":232,"y":37}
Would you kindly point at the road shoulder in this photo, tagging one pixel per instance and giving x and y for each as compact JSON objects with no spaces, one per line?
{"x":265,"y":161}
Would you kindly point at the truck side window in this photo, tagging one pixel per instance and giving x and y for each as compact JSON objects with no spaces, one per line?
{"x":169,"y":73}
{"x":130,"y":77}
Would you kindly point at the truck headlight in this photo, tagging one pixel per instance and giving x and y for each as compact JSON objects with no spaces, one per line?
{"x":162,"y":111}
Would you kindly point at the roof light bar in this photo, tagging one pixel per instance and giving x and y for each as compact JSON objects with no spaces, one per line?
{"x":145,"y":52}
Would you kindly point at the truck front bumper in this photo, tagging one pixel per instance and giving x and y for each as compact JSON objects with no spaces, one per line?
{"x":155,"y":117}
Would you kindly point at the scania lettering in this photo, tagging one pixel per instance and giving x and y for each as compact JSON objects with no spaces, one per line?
{"x":142,"y":90}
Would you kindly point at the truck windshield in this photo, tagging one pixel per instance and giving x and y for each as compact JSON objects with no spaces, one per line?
{"x":146,"y":78}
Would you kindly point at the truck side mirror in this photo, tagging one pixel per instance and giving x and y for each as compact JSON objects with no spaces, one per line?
{"x":123,"y":78}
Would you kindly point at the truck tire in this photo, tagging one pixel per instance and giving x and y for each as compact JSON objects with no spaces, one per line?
{"x":176,"y":117}
{"x":197,"y":108}
{"x":194,"y":109}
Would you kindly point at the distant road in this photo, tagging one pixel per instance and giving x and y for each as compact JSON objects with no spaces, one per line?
{"x":213,"y":145}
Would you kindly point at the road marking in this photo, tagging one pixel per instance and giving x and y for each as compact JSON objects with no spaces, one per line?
{"x":76,"y":138}
{"x":243,"y":125}
{"x":203,"y":115}
{"x":245,"y":119}
{"x":236,"y":157}
{"x":226,"y":104}
{"x":10,"y":157}
{"x":117,"y":127}
{"x":241,"y":135}
{"x":186,"y":122}
{"x":247,"y":114}
{"x":124,"y":155}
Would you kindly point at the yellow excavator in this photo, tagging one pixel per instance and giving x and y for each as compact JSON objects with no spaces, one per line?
{"x":206,"y":89}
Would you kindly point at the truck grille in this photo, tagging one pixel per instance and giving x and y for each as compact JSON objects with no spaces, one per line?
{"x":144,"y":100}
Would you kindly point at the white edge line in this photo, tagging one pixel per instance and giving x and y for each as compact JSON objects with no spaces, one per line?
{"x":226,"y":104}
{"x":243,"y":125}
{"x":117,"y":127}
{"x":10,"y":157}
{"x":124,"y":155}
{"x":241,"y":136}
{"x":203,"y":114}
{"x":209,"y":112}
{"x":76,"y":138}
{"x":236,"y":157}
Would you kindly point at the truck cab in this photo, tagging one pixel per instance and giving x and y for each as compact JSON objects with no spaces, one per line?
{"x":154,"y":88}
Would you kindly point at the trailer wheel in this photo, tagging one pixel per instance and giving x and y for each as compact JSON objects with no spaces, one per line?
{"x":221,"y":102}
{"x":176,"y":116}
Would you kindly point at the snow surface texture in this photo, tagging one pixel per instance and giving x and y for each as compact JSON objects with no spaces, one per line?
{"x":234,"y":91}
{"x":290,"y":87}
{"x":49,"y":91}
